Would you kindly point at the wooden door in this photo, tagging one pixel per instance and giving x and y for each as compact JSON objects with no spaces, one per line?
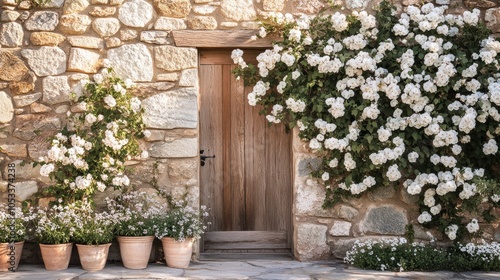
{"x":248,"y":184}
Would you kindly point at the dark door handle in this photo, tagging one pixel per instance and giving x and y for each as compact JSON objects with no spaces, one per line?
{"x":204,"y":157}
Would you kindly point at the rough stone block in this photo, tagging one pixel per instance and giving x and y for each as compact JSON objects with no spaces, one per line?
{"x":181,"y":148}
{"x":88,"y":42}
{"x":347,"y":212}
{"x":42,"y":21}
{"x":340,"y":228}
{"x":172,"y":109}
{"x":14,"y":150}
{"x":165,"y":23}
{"x":106,"y":27}
{"x":382,"y":193}
{"x":386,"y":219}
{"x":173,"y":8}
{"x":82,"y":60}
{"x":13,"y":68}
{"x":189,"y":78}
{"x":135,"y":13}
{"x":74,"y":24}
{"x":308,"y":165}
{"x":56,"y":89}
{"x":46,"y":38}
{"x":202,"y":23}
{"x":75,"y":6}
{"x":273,"y":5}
{"x":25,"y":100}
{"x":46,"y":61}
{"x":238,"y":10}
{"x":25,"y":189}
{"x":174,"y":58}
{"x":11,"y":34}
{"x":155,"y":37}
{"x":137,"y":54}
{"x":204,"y":9}
{"x":102,"y":11}
{"x":311,"y":242}
{"x":6,"y":108}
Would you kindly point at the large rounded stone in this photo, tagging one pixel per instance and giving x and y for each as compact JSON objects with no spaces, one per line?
{"x":238,"y":10}
{"x":75,"y":6}
{"x":42,"y":21}
{"x":46,"y":60}
{"x":6,"y":108}
{"x":124,"y":57}
{"x":11,"y":34}
{"x":173,"y":8}
{"x":135,"y":13}
{"x":386,"y":219}
{"x":74,"y":23}
{"x":106,"y":27}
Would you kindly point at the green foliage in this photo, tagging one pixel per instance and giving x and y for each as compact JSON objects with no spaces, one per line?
{"x":89,"y":154}
{"x":398,"y":255}
{"x":392,"y":100}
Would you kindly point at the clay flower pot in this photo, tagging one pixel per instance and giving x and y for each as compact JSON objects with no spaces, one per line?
{"x":93,"y":257}
{"x":135,"y":250}
{"x":177,"y":254}
{"x":56,"y":256}
{"x":10,"y":255}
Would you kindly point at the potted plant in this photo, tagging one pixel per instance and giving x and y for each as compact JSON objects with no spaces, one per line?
{"x":53,"y":230}
{"x":12,"y":235}
{"x":94,"y":232}
{"x":177,"y":230}
{"x":136,"y":214}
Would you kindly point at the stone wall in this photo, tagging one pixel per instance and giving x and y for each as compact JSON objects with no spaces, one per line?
{"x":45,"y":52}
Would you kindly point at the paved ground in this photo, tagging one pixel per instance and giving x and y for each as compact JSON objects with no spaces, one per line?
{"x":254,"y":269}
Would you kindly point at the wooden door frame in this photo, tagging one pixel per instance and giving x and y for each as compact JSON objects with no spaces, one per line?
{"x":214,"y":40}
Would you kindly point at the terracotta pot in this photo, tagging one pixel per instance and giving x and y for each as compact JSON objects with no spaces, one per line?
{"x":93,"y":257}
{"x":177,"y":254}
{"x":10,"y":255}
{"x":56,"y":256}
{"x":135,"y":250}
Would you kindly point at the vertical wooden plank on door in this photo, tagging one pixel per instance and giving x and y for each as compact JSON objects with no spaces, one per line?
{"x":255,"y":167}
{"x":226,"y":146}
{"x":211,"y":141}
{"x":283,"y":178}
{"x":237,"y":145}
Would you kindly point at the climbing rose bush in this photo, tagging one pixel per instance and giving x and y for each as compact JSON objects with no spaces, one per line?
{"x":407,"y":99}
{"x":89,"y":154}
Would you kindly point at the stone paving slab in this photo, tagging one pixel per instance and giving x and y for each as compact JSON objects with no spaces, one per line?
{"x":260,"y":270}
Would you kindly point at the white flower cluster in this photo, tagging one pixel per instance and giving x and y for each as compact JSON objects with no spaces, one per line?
{"x":418,"y":105}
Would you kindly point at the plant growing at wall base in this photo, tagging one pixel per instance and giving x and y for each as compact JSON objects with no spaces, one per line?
{"x":390,"y":99}
{"x":89,"y":154}
{"x":400,"y":255}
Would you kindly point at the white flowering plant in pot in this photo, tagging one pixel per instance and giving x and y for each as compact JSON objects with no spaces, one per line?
{"x":136,"y":213}
{"x":93,"y":227}
{"x":89,"y":154}
{"x":53,"y":225}
{"x":407,"y":99}
{"x":13,"y":224}
{"x":182,"y":221}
